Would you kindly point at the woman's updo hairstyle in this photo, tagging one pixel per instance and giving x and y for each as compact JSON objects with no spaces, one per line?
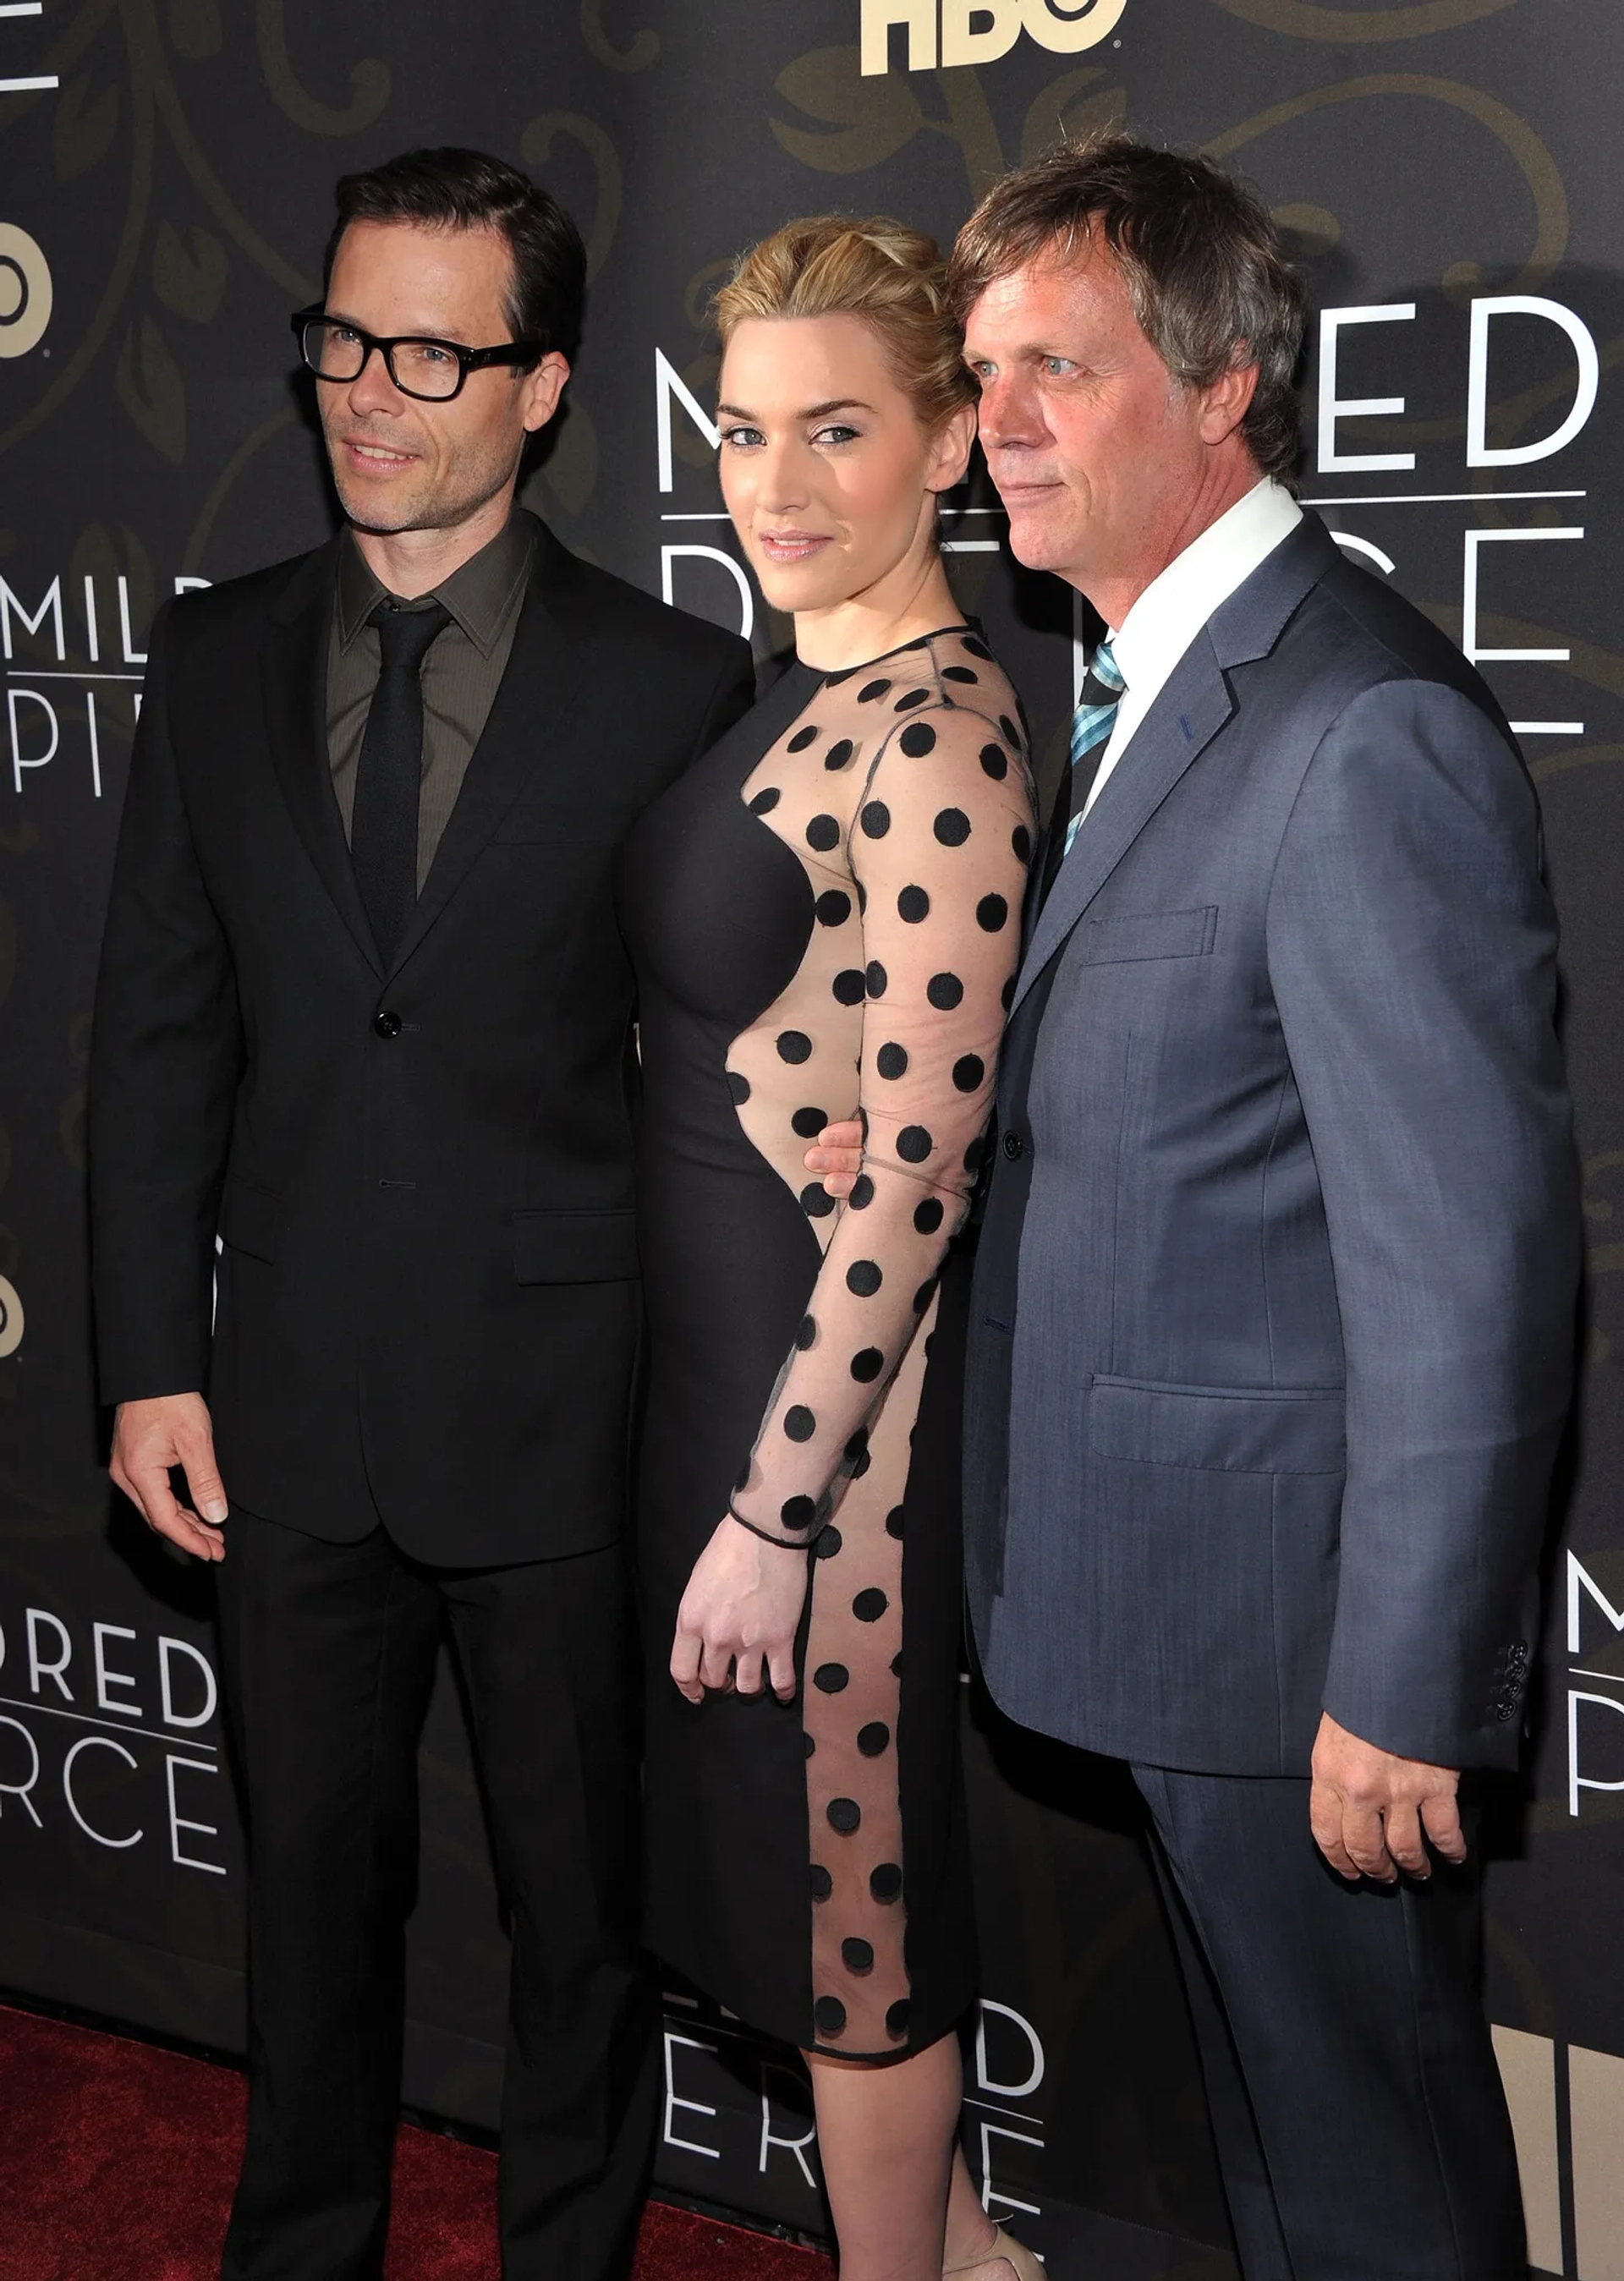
{"x":890,"y":276}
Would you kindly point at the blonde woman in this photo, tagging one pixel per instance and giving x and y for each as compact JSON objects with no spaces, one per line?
{"x":825,"y":917}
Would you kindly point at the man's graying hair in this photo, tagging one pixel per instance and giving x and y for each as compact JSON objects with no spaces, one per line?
{"x":1202,"y":258}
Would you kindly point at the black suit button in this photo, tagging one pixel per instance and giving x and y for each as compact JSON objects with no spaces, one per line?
{"x":1014,"y":1147}
{"x":386,"y":1025}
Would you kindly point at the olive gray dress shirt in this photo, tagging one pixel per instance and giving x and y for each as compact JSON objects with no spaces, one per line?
{"x":461,"y":675}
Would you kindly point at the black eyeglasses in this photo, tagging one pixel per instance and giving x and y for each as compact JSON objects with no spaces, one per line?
{"x":433,"y":371}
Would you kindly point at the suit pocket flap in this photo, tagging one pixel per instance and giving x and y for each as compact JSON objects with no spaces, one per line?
{"x":1229,"y":1429}
{"x":574,"y":1247}
{"x":1149,"y":934}
{"x":250,"y":1219}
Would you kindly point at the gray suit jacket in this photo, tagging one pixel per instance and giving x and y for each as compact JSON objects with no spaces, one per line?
{"x":1272,"y":1326}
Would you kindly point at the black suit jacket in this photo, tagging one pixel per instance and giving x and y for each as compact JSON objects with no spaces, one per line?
{"x":427,"y":1308}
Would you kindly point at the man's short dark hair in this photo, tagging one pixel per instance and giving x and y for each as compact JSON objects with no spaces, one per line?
{"x":469,"y":190}
{"x":1201,"y":257}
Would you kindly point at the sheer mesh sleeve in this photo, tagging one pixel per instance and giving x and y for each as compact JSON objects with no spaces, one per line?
{"x":937,"y":847}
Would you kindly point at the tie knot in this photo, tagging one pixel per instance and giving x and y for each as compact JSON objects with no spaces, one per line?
{"x":406,"y":636}
{"x":1104,"y":670}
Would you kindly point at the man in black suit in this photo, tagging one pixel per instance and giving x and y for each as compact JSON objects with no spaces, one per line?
{"x":364,"y":1011}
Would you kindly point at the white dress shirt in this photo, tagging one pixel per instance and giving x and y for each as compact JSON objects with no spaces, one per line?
{"x":1175,"y":606}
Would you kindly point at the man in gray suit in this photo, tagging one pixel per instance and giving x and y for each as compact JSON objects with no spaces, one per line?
{"x":1274,"y":1306}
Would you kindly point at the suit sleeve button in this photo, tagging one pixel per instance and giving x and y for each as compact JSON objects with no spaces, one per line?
{"x":1014,"y":1147}
{"x":386,"y":1025}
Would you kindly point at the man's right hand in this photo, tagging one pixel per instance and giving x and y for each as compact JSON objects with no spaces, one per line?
{"x":149,"y":1438}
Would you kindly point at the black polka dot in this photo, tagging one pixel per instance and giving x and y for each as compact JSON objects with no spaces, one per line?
{"x":958,"y":673}
{"x":861,"y":1465}
{"x":892,"y":1060}
{"x":832,"y":908}
{"x":995,"y":760}
{"x":870,"y":1605}
{"x":913,"y":1144}
{"x":839,"y":754}
{"x":799,"y":1423}
{"x":968,"y":1072}
{"x":828,"y":2015}
{"x":808,"y":1123}
{"x":913,"y":904}
{"x":867,"y":1366}
{"x":849,"y":987}
{"x":856,"y":1955}
{"x":952,"y":827}
{"x":816,"y":1201}
{"x":831,"y":1678}
{"x":874,"y":1739}
{"x":857,"y":1449}
{"x":896,"y":2018}
{"x":810,"y":1747}
{"x":798,"y":1512}
{"x":870,"y":690}
{"x":944,"y":992}
{"x":893,"y":1523}
{"x":923,"y":1296}
{"x":808,"y":1332}
{"x":740,"y":1088}
{"x":917,"y":739}
{"x":823,"y":833}
{"x":1020,"y":839}
{"x":845,"y":1814}
{"x":827,"y":1542}
{"x":913,"y":696}
{"x":822,"y":1883}
{"x":886,"y":1882}
{"x":876,"y":979}
{"x":896,"y":1664}
{"x":1007,"y":994}
{"x":863,"y":1278}
{"x":973,"y":647}
{"x":801,"y":738}
{"x":766,"y":801}
{"x":862,"y":1193}
{"x":876,"y":820}
{"x":794,"y":1046}
{"x":927,"y":1218}
{"x":1012,"y":735}
{"x":991,"y":913}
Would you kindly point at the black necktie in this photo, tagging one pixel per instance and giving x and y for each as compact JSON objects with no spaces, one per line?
{"x":1092,"y":723}
{"x":383,"y":820}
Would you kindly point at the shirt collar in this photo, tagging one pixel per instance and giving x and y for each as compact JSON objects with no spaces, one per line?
{"x":480,"y":594}
{"x":1176,"y":605}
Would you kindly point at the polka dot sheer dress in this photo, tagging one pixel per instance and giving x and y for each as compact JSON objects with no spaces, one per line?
{"x":825,"y":915}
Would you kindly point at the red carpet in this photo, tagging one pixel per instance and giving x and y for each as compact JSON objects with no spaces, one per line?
{"x":117,"y":2163}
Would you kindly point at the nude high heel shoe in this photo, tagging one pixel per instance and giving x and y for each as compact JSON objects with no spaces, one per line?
{"x":1021,"y":2260}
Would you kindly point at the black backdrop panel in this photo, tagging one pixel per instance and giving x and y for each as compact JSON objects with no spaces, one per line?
{"x":1448,"y":172}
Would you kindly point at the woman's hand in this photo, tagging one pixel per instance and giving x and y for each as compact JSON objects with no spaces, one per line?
{"x":741,"y":1610}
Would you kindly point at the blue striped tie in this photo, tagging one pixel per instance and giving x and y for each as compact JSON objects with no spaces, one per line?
{"x":1091,"y":725}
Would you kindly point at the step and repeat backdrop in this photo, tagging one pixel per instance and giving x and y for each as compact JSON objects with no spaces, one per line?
{"x":1448,"y":173}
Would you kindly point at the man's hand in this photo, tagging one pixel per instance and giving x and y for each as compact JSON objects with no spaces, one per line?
{"x":1372,"y":1812}
{"x":151,"y":1437}
{"x":741,"y":1610}
{"x":838,"y":1155}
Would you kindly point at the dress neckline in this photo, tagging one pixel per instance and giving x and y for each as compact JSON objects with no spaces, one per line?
{"x":919,"y":641}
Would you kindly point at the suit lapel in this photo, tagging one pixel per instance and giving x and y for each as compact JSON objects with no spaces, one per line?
{"x":545,"y":672}
{"x":293,"y":670}
{"x":1192,"y":707}
{"x":1187,"y":714}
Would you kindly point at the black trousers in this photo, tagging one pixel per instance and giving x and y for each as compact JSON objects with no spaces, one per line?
{"x":328,"y":1657}
{"x":1361,"y":2128}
